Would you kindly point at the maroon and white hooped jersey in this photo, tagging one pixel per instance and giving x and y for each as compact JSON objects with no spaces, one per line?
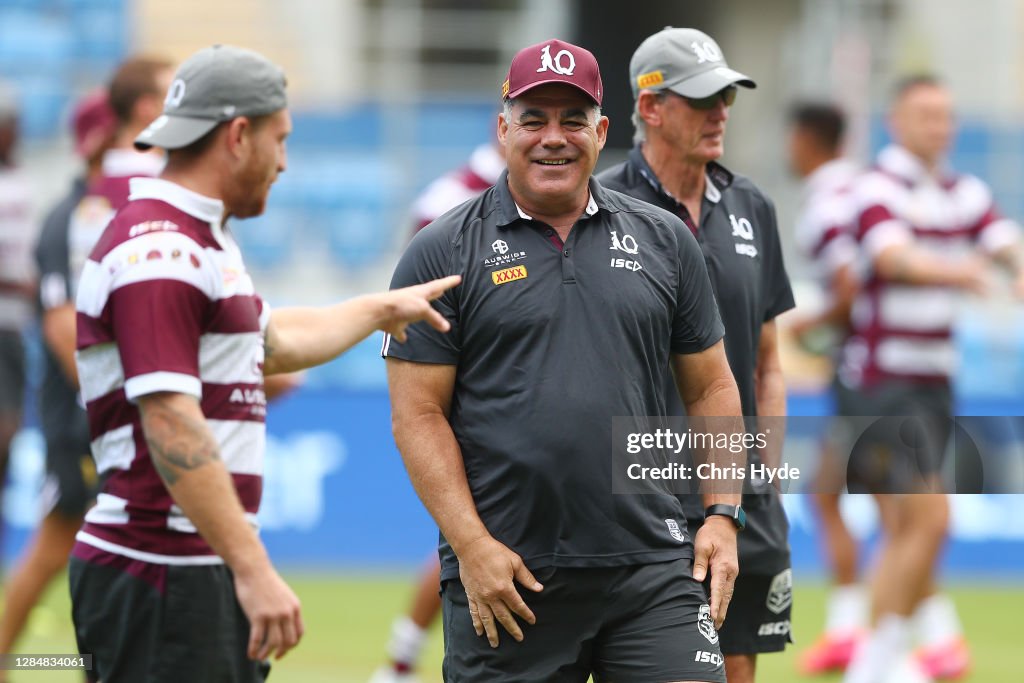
{"x":165,"y":305}
{"x":904,"y":331}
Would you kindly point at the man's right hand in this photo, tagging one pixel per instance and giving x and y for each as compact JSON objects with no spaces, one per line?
{"x":411,"y":304}
{"x":275,"y":619}
{"x":488,"y":570}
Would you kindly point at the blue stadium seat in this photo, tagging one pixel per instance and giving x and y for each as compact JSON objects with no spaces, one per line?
{"x":267,"y":240}
{"x":43,"y":104}
{"x":33,"y":42}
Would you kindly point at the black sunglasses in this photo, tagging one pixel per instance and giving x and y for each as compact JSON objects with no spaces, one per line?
{"x":727,"y":95}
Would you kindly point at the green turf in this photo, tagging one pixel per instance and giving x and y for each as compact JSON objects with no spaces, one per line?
{"x":348,"y":619}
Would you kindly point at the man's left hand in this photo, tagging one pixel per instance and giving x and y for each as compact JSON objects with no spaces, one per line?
{"x":715,"y":551}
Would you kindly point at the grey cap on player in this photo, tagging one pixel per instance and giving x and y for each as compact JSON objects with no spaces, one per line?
{"x":684,"y":60}
{"x":214,"y":85}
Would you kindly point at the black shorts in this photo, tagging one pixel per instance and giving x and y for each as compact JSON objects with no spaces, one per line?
{"x":159,"y":623}
{"x":902,"y":446}
{"x":638,"y":623}
{"x":12,"y":372}
{"x":758,"y":619}
{"x":71,"y":481}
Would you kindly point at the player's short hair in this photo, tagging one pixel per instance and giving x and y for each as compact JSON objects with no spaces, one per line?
{"x":826,"y":122}
{"x":510,"y":102}
{"x":196,"y":149}
{"x":908,"y":83}
{"x":136,"y":78}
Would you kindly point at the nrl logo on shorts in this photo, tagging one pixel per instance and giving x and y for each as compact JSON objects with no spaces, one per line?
{"x":780,"y":593}
{"x":705,"y":625}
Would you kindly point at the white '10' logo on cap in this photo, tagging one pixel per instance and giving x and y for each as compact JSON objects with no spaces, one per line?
{"x":706,"y":52}
{"x":175,"y":94}
{"x":557,"y":64}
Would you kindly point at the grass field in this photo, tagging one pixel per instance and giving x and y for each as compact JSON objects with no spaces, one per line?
{"x":348,"y":619}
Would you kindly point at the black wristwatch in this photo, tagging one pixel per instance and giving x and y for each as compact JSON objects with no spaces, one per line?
{"x":733,"y":512}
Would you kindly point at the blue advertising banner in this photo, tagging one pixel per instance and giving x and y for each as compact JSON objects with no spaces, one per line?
{"x":336,"y":496}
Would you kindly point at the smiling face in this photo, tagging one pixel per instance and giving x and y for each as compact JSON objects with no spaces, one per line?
{"x":552,"y":137}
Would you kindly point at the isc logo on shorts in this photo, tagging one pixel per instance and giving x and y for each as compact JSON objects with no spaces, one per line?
{"x":708,"y":657}
{"x":774,"y":628}
{"x":500,"y":277}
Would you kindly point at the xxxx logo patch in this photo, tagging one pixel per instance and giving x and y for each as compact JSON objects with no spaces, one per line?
{"x":500,"y":277}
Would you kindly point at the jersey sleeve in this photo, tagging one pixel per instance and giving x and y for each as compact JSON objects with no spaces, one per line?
{"x":428,"y":257}
{"x":778,"y":292}
{"x":697,"y":324}
{"x":53,"y":260}
{"x":160,"y":292}
{"x":992,"y":230}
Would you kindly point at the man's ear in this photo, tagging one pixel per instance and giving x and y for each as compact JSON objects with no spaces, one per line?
{"x":647,"y":109}
{"x":602,"y":132}
{"x":502,"y":128}
{"x":238,"y":135}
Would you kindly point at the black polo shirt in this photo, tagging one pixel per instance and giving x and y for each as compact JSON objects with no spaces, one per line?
{"x":739,"y":236}
{"x":552,"y":341}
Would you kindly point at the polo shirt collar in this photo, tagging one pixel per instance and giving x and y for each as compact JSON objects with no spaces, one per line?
{"x":509,"y":211}
{"x":199,"y":206}
{"x":716,"y":177}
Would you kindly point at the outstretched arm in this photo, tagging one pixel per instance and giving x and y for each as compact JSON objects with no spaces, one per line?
{"x":299,"y":338}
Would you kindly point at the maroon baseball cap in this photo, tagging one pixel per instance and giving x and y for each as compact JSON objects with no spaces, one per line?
{"x":553,"y":61}
{"x":92,"y":123}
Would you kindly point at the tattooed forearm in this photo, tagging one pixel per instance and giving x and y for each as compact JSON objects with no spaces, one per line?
{"x":177,"y":442}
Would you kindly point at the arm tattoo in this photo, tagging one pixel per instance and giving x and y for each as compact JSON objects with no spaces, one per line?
{"x":177,"y":443}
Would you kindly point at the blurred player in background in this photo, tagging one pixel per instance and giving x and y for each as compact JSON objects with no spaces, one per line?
{"x":17,"y":278}
{"x":169,"y":580}
{"x":683,"y":89}
{"x":132,"y":100}
{"x":409,"y":632}
{"x":824,"y":236}
{"x":71,"y":474}
{"x":927,"y":235}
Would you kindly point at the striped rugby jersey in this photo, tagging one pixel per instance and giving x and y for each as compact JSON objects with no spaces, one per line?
{"x":904,"y":331}
{"x":165,"y":304}
{"x":445,"y":193}
{"x":823,"y":228}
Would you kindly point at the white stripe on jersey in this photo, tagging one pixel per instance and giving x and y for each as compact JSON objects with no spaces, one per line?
{"x":918,"y":309}
{"x":114,"y":449}
{"x":108,"y":510}
{"x":153,"y":382}
{"x":99,"y":370}
{"x":127,"y":264}
{"x":219,"y":355}
{"x":242,"y":444}
{"x":907,"y":355}
{"x":142,"y":556}
{"x":999,"y":235}
{"x":178,"y":521}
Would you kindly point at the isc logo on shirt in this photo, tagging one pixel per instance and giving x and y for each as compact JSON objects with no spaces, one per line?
{"x":500,"y":277}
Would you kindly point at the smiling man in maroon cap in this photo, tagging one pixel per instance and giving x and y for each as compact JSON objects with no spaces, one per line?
{"x":573,"y":301}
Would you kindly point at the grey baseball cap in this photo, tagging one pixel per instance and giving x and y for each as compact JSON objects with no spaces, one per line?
{"x":216,"y":84}
{"x":684,"y":60}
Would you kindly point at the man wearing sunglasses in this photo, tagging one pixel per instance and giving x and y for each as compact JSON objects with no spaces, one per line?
{"x":683,"y":89}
